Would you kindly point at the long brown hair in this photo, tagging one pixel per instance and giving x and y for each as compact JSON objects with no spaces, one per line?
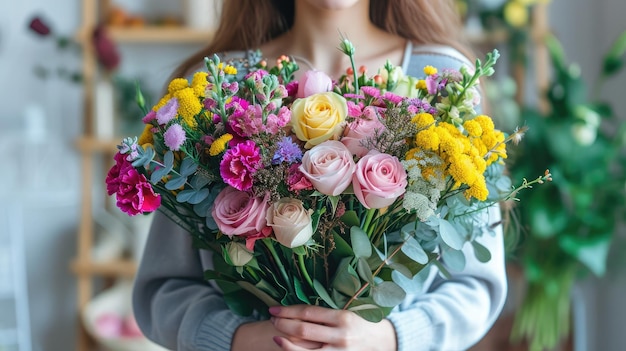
{"x":247,"y":24}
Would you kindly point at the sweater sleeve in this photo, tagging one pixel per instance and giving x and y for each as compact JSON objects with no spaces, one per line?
{"x":173,"y":306}
{"x":456,"y":313}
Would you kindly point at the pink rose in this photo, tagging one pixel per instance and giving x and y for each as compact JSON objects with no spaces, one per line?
{"x":296,"y":180}
{"x":329,"y":167}
{"x":314,"y":82}
{"x":360,"y":129}
{"x":238,"y":213}
{"x":132,"y":190}
{"x":290,"y":221}
{"x":379,"y":180}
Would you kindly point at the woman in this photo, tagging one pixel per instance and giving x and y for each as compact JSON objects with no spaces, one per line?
{"x":177,"y":309}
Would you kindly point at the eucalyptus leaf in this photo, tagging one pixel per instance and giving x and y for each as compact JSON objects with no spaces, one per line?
{"x":168,"y":161}
{"x":450,"y":235}
{"x":188,"y":167}
{"x":199,"y":181}
{"x":388,"y":294}
{"x":364,"y":270}
{"x":323,"y":294}
{"x":175,"y":183}
{"x":481,"y":252}
{"x":454,"y":259}
{"x":193,"y":196}
{"x":411,"y":284}
{"x":360,"y":242}
{"x":346,"y":279}
{"x":158,"y":174}
{"x":414,"y":250}
{"x":369,"y":312}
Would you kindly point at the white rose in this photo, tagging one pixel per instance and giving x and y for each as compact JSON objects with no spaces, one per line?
{"x":238,"y":253}
{"x":290,"y":221}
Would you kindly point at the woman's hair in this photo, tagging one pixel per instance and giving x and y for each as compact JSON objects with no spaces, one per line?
{"x":246,"y":24}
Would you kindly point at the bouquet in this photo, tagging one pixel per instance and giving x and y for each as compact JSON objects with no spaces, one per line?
{"x":312,"y":191}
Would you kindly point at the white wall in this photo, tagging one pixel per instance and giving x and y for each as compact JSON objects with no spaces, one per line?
{"x":47,"y":189}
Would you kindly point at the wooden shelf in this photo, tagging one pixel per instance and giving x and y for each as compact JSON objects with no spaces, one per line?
{"x":91,"y":144}
{"x":115,"y":268}
{"x":160,"y":35}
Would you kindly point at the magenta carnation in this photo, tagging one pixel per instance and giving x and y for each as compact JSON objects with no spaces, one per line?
{"x":239,"y":165}
{"x":133,"y":191}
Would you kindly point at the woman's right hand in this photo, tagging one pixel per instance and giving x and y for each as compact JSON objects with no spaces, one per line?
{"x":259,"y":336}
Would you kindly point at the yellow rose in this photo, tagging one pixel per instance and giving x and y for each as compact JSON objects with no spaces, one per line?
{"x":318,"y":118}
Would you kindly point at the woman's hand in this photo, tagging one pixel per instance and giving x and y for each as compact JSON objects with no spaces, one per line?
{"x":259,"y":336}
{"x":335,"y":329}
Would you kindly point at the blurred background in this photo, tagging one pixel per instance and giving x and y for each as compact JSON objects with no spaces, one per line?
{"x":69,"y":67}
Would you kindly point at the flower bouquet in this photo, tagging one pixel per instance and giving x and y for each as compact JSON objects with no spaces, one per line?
{"x":336,"y":193}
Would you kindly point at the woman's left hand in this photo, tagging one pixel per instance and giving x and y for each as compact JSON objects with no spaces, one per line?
{"x":336,"y":329}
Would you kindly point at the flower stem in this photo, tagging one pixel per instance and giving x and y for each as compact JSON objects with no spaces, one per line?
{"x":272,"y":250}
{"x":368,"y":221}
{"x":304,"y":271}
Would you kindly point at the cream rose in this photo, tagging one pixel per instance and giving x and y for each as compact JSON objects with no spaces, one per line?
{"x":238,"y":253}
{"x":318,"y":118}
{"x":290,"y":221}
{"x":329,"y":167}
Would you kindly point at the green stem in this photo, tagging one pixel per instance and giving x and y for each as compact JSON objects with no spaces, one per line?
{"x":356,"y":80}
{"x":272,"y":250}
{"x":368,"y":220}
{"x":304,"y":271}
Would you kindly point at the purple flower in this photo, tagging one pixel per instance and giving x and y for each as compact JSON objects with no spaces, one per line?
{"x":149,"y":117}
{"x":239,"y":165}
{"x":132,"y":190}
{"x":292,"y":88}
{"x":287,"y":151}
{"x":168,"y":111}
{"x":370,"y":91}
{"x":174,"y":137}
{"x":40,"y":27}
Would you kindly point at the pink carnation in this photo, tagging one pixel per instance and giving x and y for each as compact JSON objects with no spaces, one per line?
{"x":239,"y":165}
{"x":133,"y":192}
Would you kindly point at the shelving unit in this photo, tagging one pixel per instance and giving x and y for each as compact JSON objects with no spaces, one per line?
{"x":94,"y":151}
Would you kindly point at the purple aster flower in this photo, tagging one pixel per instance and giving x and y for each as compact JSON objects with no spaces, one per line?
{"x":174,"y":137}
{"x":168,"y":111}
{"x":287,"y":151}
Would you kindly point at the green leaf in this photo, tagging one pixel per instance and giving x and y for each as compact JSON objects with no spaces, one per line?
{"x":350,"y":218}
{"x":414,"y":251}
{"x":546,"y":216}
{"x":239,"y":302}
{"x":411,"y":284}
{"x":592,"y":252}
{"x":342,"y":248}
{"x":367,"y":311}
{"x":388,"y":294}
{"x":364,"y":270}
{"x":450,"y":235}
{"x":188,"y":167}
{"x":613,"y":60}
{"x":454,"y":259}
{"x":175,"y":183}
{"x":346,"y":279}
{"x":360,"y":242}
{"x":300,"y":292}
{"x":481,"y":252}
{"x":323,"y":294}
{"x":442,"y":269}
{"x":193,"y":196}
{"x":334,"y":201}
{"x":261,"y":295}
